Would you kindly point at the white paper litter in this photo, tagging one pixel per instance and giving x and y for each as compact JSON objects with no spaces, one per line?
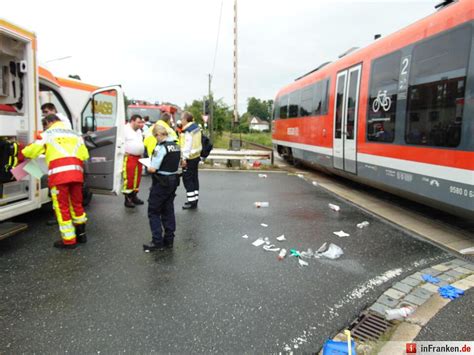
{"x":267,"y":241}
{"x":264,"y":225}
{"x":333,"y":252}
{"x":245,"y":236}
{"x":322,"y":248}
{"x":281,"y":238}
{"x":362,"y":224}
{"x":258,"y":242}
{"x":261,"y":204}
{"x":334,"y":207}
{"x":315,"y":183}
{"x":302,"y":262}
{"x":307,"y":254}
{"x":282,"y":254}
{"x":271,"y":247}
{"x":301,"y":176}
{"x":263,"y":176}
{"x":341,"y":234}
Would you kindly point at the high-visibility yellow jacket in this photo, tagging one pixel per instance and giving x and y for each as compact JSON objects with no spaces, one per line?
{"x":64,"y":151}
{"x":191,"y":141}
{"x":151,"y":142}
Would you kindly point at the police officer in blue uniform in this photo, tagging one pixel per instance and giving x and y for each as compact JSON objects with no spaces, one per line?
{"x":164,"y":169}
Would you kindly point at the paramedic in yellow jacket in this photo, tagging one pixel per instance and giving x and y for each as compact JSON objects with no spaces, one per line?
{"x":150,"y":141}
{"x":65,"y":153}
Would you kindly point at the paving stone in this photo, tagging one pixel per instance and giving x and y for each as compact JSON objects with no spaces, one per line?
{"x":463,"y":284}
{"x":421,"y":292}
{"x":446,"y":278}
{"x":405,"y":288}
{"x":450,"y":264}
{"x":430,"y":287}
{"x":469,"y":266}
{"x":470,"y":278}
{"x":388,"y":301}
{"x":459,"y":262}
{"x":431,"y":271}
{"x":454,"y":273}
{"x":417,"y":275}
{"x":411,"y":281}
{"x":463,"y":270}
{"x":392,"y":293}
{"x":415,"y":300}
{"x":379,"y":308}
{"x":442,"y":283}
{"x":442,"y":267}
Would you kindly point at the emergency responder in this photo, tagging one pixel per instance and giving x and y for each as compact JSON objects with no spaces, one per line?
{"x":132,"y":169}
{"x":191,"y":146}
{"x":164,"y":167}
{"x":150,"y":140}
{"x":65,"y":152}
{"x":49,"y":109}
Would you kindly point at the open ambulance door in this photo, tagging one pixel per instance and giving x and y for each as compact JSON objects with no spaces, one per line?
{"x":102,"y":125}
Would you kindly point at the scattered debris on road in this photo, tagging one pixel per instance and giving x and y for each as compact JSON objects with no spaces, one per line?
{"x":362,"y":224}
{"x":334,"y":207}
{"x":281,"y":238}
{"x":341,"y":234}
{"x":399,"y":313}
{"x":261,"y":204}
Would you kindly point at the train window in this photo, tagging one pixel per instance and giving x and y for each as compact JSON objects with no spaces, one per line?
{"x":306,"y":108}
{"x":383,"y":98}
{"x":284,"y":107}
{"x":339,"y":102}
{"x":294,"y":104}
{"x":436,"y":89}
{"x":318,"y":98}
{"x":324,"y":95}
{"x":351,"y":103}
{"x":276,"y":109}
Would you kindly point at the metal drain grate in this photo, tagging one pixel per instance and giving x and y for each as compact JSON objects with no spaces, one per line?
{"x":369,"y":327}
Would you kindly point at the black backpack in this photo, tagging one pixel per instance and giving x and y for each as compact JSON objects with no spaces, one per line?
{"x":206,"y":146}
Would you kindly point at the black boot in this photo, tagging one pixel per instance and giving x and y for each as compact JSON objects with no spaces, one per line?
{"x":128,"y":201}
{"x":135,"y":199}
{"x":59,"y":244}
{"x":190,"y":206}
{"x":168,"y":243}
{"x":81,"y":236}
{"x":153,"y":247}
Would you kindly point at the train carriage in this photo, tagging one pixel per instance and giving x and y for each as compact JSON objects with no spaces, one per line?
{"x":397,"y":114}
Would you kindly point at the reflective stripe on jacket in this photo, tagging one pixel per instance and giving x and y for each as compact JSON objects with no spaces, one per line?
{"x":190,"y":141}
{"x":150,"y":140}
{"x":64,"y":151}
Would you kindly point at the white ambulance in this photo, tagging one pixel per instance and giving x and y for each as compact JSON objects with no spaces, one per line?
{"x":101,"y":120}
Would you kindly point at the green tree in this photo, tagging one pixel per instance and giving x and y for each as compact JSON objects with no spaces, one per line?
{"x":260,"y":108}
{"x":222,"y":114}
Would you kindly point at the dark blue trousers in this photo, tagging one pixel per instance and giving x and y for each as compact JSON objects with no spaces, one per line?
{"x":161,"y":208}
{"x":191,"y":180}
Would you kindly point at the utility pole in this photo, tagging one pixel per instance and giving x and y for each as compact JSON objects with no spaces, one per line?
{"x":211,"y":111}
{"x":236,"y":113}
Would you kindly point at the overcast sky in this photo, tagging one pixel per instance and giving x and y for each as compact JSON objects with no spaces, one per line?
{"x":163,"y":50}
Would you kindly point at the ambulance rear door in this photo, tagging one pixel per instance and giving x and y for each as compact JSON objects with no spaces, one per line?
{"x":102,"y":126}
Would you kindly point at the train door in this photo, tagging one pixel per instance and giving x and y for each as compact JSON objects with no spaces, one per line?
{"x":102,"y":123}
{"x":345,"y":119}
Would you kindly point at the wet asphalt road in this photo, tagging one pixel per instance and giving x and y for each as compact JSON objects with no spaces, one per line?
{"x":453,"y":322}
{"x":214,"y":292}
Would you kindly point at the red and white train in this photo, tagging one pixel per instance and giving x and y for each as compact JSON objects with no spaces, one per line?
{"x":397,"y":115}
